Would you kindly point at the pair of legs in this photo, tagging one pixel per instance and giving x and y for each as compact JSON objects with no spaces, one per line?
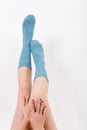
{"x":39,"y":89}
{"x":25,"y":88}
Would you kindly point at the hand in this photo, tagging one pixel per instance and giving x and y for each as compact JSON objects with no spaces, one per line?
{"x":37,"y":114}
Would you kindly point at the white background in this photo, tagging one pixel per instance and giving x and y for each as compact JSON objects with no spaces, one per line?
{"x":61,"y":25}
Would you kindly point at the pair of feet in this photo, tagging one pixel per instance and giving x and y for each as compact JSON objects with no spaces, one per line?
{"x":32,"y":46}
{"x":35,"y":113}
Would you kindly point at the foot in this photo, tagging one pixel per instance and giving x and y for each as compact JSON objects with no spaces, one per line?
{"x":28,"y":28}
{"x":38,"y":56}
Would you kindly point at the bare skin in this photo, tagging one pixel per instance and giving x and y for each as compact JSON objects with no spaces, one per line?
{"x":24,"y":81}
{"x":34,"y":115}
{"x":24,"y":125}
{"x":37,"y":117}
{"x":39,"y":90}
{"x":24,"y":89}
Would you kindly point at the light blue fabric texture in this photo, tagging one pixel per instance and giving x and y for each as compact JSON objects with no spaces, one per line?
{"x":27,"y":30}
{"x":32,"y":46}
{"x":38,"y":56}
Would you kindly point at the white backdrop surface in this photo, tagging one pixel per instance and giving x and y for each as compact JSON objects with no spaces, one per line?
{"x":62,"y":28}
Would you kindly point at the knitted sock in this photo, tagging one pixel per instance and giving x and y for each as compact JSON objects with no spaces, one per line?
{"x":38,"y":56}
{"x":27,"y":29}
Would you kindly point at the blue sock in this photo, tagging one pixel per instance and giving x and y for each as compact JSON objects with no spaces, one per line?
{"x":27,"y":29}
{"x":38,"y":56}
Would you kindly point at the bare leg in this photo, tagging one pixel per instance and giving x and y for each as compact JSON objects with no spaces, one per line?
{"x":24,"y":80}
{"x":24,"y":73}
{"x":49,"y":123}
{"x":40,"y":90}
{"x":24,"y":83}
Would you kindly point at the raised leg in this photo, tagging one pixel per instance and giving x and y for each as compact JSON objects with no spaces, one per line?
{"x":24,"y":82}
{"x":40,"y":90}
{"x":24,"y":70}
{"x":50,"y":122}
{"x":40,"y":86}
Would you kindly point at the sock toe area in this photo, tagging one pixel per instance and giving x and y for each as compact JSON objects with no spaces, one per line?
{"x":30,"y":19}
{"x":28,"y":28}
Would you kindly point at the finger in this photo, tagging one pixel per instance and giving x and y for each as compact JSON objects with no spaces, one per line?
{"x":38,"y":106}
{"x":28,"y":97}
{"x":42,"y":107}
{"x":32,"y":107}
{"x":44,"y":111}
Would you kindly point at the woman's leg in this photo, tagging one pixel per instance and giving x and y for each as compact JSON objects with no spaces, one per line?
{"x":24,"y":82}
{"x":40,"y":86}
{"x":40,"y":89}
{"x":24,"y":70}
